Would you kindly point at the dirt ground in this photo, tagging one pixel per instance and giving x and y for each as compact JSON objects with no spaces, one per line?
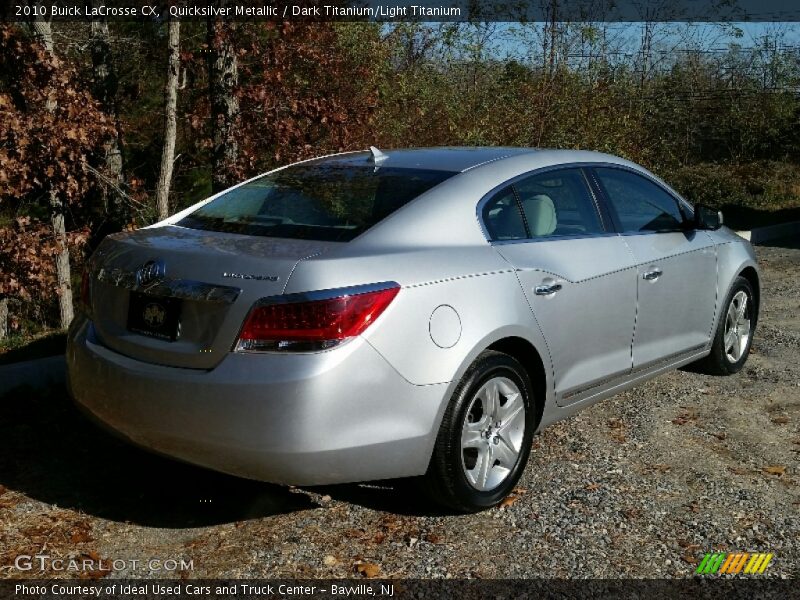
{"x":640,"y":485}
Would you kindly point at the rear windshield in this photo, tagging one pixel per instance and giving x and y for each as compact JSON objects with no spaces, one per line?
{"x":314,"y":202}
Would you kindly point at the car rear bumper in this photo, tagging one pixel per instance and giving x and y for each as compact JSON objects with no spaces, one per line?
{"x":332,"y":417}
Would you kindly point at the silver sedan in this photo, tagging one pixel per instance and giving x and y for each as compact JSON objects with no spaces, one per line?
{"x":420,"y":312}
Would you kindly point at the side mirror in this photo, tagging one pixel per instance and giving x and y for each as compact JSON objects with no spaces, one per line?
{"x":707,"y":218}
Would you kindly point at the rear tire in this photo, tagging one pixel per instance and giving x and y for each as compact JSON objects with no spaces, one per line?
{"x":485,"y":437}
{"x":734,"y":335}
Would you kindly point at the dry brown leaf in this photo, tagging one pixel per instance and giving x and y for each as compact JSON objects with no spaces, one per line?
{"x":366,"y":569}
{"x":509,"y":501}
{"x":775,"y":470}
{"x":592,"y":487}
{"x":434,"y":538}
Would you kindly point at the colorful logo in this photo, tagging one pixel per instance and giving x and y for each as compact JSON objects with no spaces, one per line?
{"x":733,"y":563}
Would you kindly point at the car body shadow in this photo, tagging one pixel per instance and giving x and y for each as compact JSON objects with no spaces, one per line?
{"x":52,"y":453}
{"x":397,"y":496}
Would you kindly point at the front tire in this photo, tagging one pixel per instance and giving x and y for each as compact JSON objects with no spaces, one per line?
{"x":734,"y":335}
{"x":485,"y":437}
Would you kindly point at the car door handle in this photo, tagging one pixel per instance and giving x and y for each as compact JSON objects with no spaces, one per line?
{"x":652,"y":274}
{"x":546,"y":290}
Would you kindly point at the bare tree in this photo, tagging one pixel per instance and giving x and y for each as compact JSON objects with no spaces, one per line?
{"x":104,"y":88}
{"x":3,"y":318}
{"x":170,"y":115}
{"x":223,"y":77}
{"x":42,"y":29}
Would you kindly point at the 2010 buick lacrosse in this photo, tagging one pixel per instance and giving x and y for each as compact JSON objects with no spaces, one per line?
{"x":377,"y":315}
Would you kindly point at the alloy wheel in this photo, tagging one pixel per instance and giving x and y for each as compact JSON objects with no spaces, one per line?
{"x":492,"y":433}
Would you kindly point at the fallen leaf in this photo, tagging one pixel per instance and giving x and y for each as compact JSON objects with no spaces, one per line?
{"x":366,"y":569}
{"x":509,"y":501}
{"x":592,"y":487}
{"x":80,"y":536}
{"x":433,"y":538}
{"x":775,"y":470}
{"x":782,"y":420}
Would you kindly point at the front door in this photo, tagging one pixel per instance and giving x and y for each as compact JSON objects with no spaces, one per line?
{"x":676,"y":267}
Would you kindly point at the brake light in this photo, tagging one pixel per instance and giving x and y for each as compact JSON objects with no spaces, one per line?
{"x":313,"y":324}
{"x":86,"y":291}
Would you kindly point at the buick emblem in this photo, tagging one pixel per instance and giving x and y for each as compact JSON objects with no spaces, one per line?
{"x":150,"y":271}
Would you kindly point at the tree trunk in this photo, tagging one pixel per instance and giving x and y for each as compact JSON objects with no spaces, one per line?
{"x":3,"y":318}
{"x":104,"y":88}
{"x":223,"y":78}
{"x":170,"y":110}
{"x":44,"y":32}
{"x":63,"y":274}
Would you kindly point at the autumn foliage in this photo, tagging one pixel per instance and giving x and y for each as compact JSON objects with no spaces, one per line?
{"x":301,"y":94}
{"x":50,"y":133}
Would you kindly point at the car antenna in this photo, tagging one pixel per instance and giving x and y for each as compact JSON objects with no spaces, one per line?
{"x":376,"y":155}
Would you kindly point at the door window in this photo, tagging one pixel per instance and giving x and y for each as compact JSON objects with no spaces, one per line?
{"x":502,"y":217}
{"x":558,"y":203}
{"x":640,"y":204}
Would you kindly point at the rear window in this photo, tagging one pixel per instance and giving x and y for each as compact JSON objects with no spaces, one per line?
{"x":314,"y":202}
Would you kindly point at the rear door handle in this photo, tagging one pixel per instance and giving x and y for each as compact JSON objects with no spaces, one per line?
{"x":652,"y":274}
{"x":546,"y":290}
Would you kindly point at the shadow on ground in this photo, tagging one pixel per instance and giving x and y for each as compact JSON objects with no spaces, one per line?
{"x":744,"y":217}
{"x":398,"y":496}
{"x":790,"y":243}
{"x":51,"y":453}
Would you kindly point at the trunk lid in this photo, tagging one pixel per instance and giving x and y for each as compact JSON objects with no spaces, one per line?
{"x":214,"y":278}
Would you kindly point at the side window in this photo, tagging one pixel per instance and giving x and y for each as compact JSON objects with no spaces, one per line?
{"x":557,"y":203}
{"x":502,"y":218}
{"x":640,"y":205}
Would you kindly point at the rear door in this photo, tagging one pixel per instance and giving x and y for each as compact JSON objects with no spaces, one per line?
{"x":578,"y":276}
{"x":676,"y":266}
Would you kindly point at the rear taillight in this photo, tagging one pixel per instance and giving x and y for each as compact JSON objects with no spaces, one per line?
{"x":303,"y":323}
{"x":86,"y":291}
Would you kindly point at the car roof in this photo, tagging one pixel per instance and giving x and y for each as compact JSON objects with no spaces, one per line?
{"x":459,"y":159}
{"x":452,"y":159}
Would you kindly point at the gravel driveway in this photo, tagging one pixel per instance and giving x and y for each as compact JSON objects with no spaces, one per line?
{"x":640,"y":485}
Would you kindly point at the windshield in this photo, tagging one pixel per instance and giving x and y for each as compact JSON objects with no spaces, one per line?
{"x":326,"y":202}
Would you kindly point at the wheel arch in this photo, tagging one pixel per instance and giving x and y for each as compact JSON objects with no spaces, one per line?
{"x":751,"y":275}
{"x":528,"y":356}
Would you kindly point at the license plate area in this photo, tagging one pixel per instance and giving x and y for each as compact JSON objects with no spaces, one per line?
{"x":154,"y":316}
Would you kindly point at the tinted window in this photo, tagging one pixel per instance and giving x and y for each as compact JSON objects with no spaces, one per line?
{"x":557,"y":203}
{"x":640,"y":204}
{"x":316,"y":202}
{"x":502,"y":217}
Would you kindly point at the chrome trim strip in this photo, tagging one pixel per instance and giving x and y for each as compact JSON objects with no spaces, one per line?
{"x":656,"y":364}
{"x":185,"y":289}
